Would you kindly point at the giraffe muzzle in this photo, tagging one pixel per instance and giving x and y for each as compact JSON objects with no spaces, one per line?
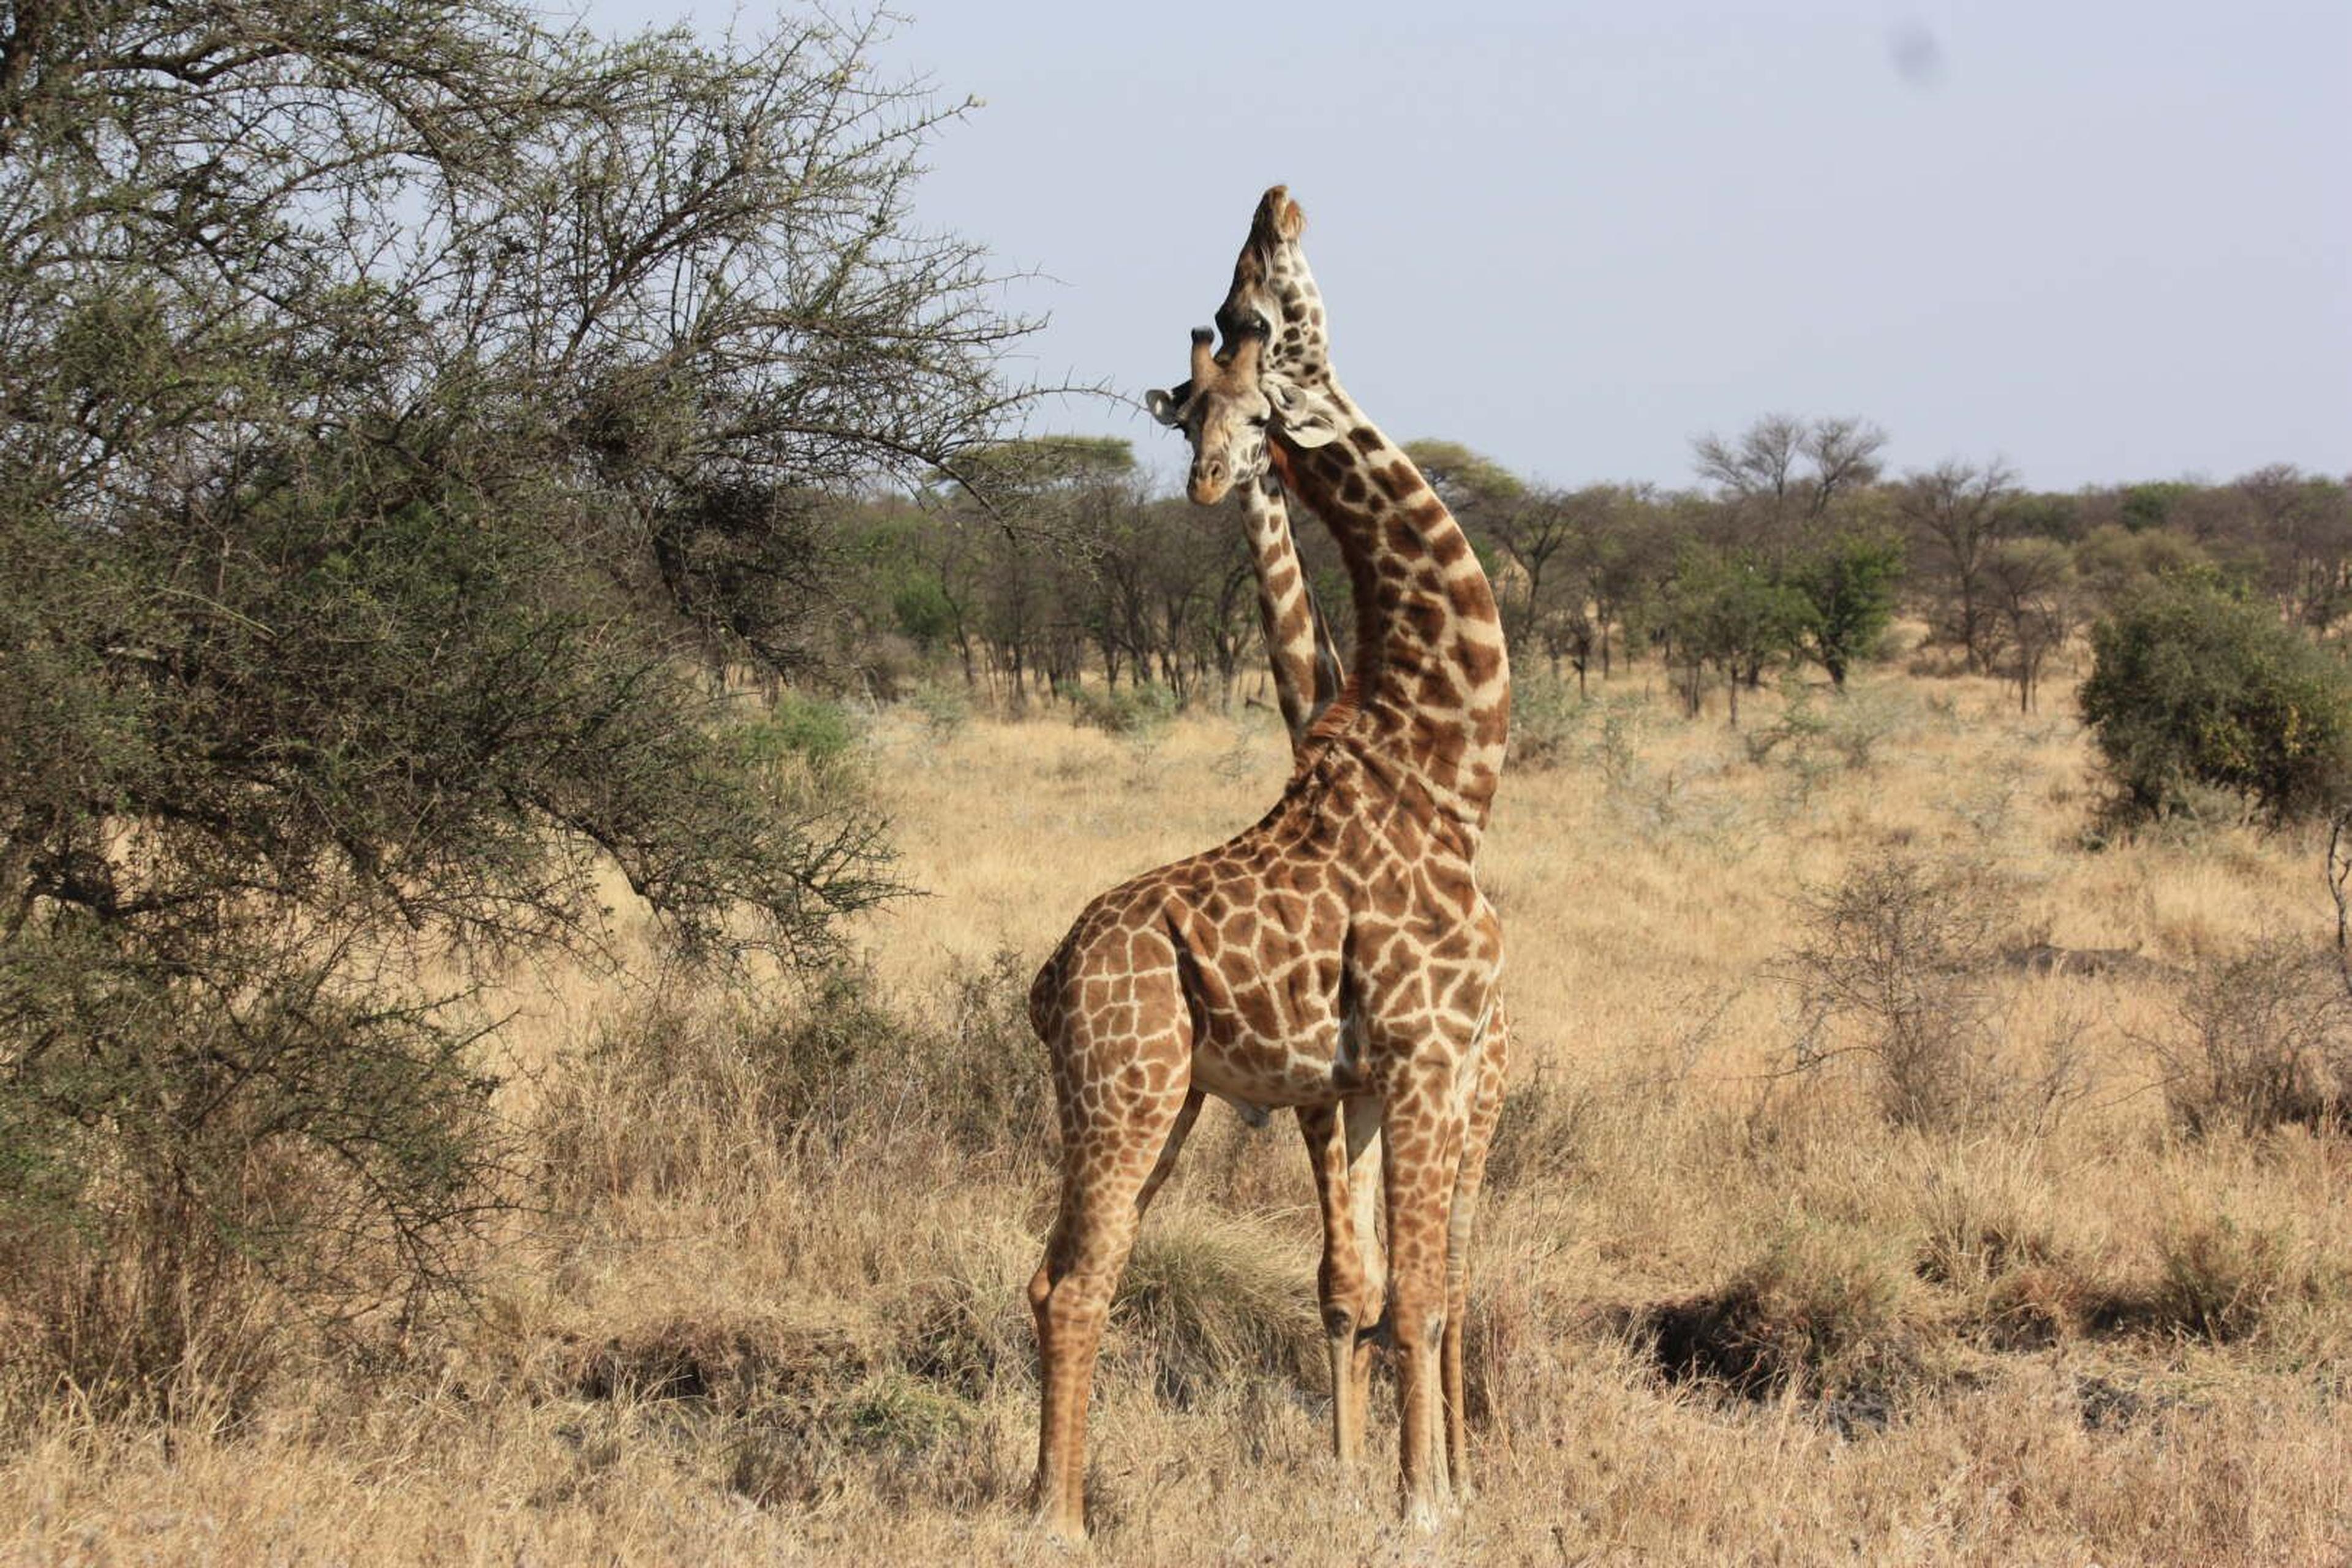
{"x":1210,"y":481}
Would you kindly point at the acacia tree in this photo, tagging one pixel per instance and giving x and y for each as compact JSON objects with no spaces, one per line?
{"x":1784,"y":478}
{"x":393,"y":395}
{"x":1848,"y":581}
{"x":2032,"y":582}
{"x":1956,"y":515}
{"x":2303,"y":525}
{"x":1725,"y":610}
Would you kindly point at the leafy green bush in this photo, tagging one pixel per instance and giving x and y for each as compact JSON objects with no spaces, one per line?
{"x":181,"y":1155}
{"x":1134,"y":712}
{"x":944,"y":709}
{"x":1849,"y":584}
{"x":2192,"y":686}
{"x":348,"y":591}
{"x":1547,"y":720}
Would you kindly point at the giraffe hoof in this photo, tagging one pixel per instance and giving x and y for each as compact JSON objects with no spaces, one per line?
{"x":1066,"y":1534}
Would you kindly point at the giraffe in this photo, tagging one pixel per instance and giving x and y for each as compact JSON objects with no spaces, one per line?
{"x":1307,"y":676}
{"x":1272,"y":284}
{"x":1337,"y":950}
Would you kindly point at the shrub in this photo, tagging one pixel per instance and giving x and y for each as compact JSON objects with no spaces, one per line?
{"x":1812,"y":735}
{"x":1821,"y":1310}
{"x":344,"y":593}
{"x":1136,"y":712}
{"x":804,"y":726}
{"x":1546,"y":719}
{"x":2261,"y":1039}
{"x":1895,"y":958}
{"x":2189,"y":686}
{"x":945,"y":709}
{"x":179,"y":1166}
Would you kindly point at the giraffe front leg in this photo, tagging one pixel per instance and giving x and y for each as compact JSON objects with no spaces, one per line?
{"x":1342,"y":1142}
{"x":1114,"y":1160}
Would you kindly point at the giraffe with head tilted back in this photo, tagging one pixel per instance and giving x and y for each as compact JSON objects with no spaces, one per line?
{"x":1307,"y":676}
{"x":1337,"y":950}
{"x":1273,"y":284}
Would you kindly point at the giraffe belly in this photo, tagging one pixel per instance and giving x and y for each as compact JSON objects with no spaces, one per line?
{"x":1252,"y":1086}
{"x":1259,"y":1071}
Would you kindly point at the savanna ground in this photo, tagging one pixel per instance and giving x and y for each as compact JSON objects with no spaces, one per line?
{"x":2001,"y":1276}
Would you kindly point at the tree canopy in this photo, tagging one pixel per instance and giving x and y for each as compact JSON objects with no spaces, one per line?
{"x":400,"y":403}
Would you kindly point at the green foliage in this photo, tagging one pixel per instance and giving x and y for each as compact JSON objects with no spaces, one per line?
{"x":2151,"y":505}
{"x":2116,"y":564}
{"x":1849,"y":584}
{"x":1466,"y":479}
{"x":1133,"y":711}
{"x":944,"y":709}
{"x":1041,"y":460}
{"x":814,"y":729}
{"x":919,"y":607}
{"x":184,"y":1149}
{"x":1547,"y":721}
{"x":2190,"y":686}
{"x":1725,"y":610}
{"x":2044,"y":515}
{"x":399,"y":402}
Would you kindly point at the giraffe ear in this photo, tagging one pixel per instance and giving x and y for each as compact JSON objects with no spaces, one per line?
{"x":1168,"y":408}
{"x":1307,"y":416}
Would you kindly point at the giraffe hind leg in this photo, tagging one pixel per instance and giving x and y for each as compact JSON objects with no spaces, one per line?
{"x":1494,"y":1062}
{"x":1120,"y":1140}
{"x":1422,"y":1135}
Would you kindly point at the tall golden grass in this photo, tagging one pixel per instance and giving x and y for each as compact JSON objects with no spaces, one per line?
{"x":767,"y":1305}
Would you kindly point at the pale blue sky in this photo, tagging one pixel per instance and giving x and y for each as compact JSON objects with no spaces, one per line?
{"x":2105,"y":241}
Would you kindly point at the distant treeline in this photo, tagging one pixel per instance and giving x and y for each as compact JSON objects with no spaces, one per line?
{"x":1795,"y":547}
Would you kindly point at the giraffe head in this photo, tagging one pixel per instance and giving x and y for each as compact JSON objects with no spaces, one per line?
{"x":1276,"y":369}
{"x":1274,"y":292}
{"x":1274,"y":296}
{"x":1223,"y":411}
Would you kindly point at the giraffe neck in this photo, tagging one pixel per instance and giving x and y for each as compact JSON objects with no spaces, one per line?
{"x":1429,"y":677}
{"x":1306,"y":676}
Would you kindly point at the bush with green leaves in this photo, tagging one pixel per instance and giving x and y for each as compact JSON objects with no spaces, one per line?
{"x":2192,"y":686}
{"x":401,"y":403}
{"x":1849,"y":584}
{"x":1724,"y":609}
{"x":1137,"y":711}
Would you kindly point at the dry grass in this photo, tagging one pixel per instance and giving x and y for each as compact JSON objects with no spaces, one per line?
{"x":1727,"y":1311}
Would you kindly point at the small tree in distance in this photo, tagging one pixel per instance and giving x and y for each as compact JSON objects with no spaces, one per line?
{"x":2033,"y":584}
{"x":1848,"y":582}
{"x":1724,"y":611}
